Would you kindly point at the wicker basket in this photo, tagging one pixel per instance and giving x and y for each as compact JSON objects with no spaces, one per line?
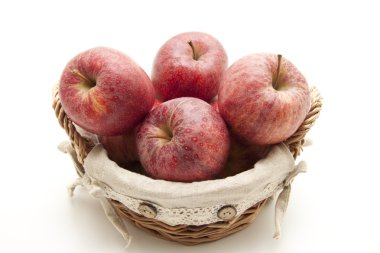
{"x":185,"y":234}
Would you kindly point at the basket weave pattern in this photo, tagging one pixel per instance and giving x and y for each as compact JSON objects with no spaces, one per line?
{"x":185,"y":234}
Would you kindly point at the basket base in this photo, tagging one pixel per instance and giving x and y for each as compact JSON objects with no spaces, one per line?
{"x":190,"y":235}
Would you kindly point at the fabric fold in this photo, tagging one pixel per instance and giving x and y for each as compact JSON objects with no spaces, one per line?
{"x":96,"y":190}
{"x":283,"y":198}
{"x":270,"y":175}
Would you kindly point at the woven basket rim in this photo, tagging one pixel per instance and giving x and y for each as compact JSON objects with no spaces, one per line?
{"x":83,"y":146}
{"x":187,"y":185}
{"x":193,"y":204}
{"x":186,"y":234}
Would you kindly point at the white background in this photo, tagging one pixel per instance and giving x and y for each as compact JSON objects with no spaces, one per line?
{"x":333,"y":207}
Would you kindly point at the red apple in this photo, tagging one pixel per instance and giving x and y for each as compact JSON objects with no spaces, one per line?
{"x":242,"y":157}
{"x":183,"y":139}
{"x":214,"y":103}
{"x":189,"y":65}
{"x":105,"y":92}
{"x":263,"y":98}
{"x":121,"y":148}
{"x":156,"y":103}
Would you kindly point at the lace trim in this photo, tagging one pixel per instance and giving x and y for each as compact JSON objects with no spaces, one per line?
{"x":192,"y":216}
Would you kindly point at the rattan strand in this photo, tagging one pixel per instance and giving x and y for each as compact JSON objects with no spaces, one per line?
{"x":184,"y":234}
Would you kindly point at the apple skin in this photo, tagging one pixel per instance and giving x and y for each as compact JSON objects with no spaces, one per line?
{"x":156,"y":103}
{"x":253,"y":108}
{"x":105,"y":92}
{"x":184,"y":69}
{"x":242,"y":157}
{"x":214,"y":103}
{"x":183,"y":140}
{"x":121,"y":148}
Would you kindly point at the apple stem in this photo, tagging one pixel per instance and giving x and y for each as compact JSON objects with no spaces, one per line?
{"x":162,"y":136}
{"x":277,"y":77}
{"x":76,"y":72}
{"x":195,"y":55}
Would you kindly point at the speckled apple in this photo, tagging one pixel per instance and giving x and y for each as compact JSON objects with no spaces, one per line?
{"x":156,"y":103}
{"x":121,"y":148}
{"x":242,"y":157}
{"x":263,"y":98}
{"x":105,"y":92}
{"x":214,"y":103}
{"x":189,"y":65}
{"x":183,"y":140}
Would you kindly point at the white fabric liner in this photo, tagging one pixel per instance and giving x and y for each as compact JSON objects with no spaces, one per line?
{"x":244,"y":189}
{"x":194,"y":203}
